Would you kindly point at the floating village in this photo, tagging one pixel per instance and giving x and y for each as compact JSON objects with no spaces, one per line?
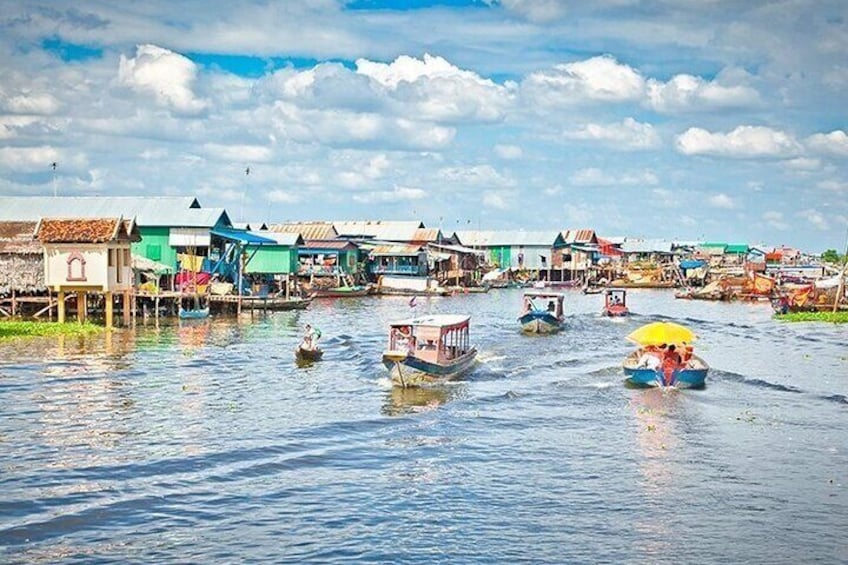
{"x":121,"y":259}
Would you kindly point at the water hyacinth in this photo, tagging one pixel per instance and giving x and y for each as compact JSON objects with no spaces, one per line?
{"x":9,"y":329}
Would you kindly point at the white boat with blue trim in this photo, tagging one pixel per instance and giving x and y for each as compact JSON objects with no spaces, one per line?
{"x":542,"y":312}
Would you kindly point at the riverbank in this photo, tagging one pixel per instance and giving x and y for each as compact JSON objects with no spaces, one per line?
{"x":34,"y":329}
{"x":840,"y":317}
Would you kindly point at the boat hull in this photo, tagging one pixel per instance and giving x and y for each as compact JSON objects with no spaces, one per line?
{"x":309,"y":354}
{"x":407,"y":371}
{"x":540,"y":323}
{"x":194,"y":314}
{"x":692,"y":376}
{"x":342,"y":292}
{"x":616,"y":310}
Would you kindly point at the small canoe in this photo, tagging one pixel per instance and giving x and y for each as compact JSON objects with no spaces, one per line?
{"x":306,"y":354}
{"x":693,"y":375}
{"x":194,"y":314}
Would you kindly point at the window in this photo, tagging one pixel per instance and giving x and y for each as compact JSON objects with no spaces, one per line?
{"x":76,"y":267}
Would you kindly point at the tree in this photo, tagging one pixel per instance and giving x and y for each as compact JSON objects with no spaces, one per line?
{"x":830,"y":256}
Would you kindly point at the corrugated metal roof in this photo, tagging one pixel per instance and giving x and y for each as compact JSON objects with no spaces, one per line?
{"x":379,"y":229}
{"x":243,"y":237}
{"x":18,"y":237}
{"x":396,"y":250}
{"x":508,"y":238}
{"x":427,"y":235}
{"x":579,"y":236}
{"x":335,"y":244}
{"x":458,"y":249}
{"x":288,"y":239}
{"x":308,"y":230}
{"x":646,"y":246}
{"x":147,"y":210}
{"x":84,"y":230}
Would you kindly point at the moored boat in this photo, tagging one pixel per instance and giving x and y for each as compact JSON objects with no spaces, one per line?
{"x":193,"y":313}
{"x":542,"y":312}
{"x":342,"y":291}
{"x":615,"y":303}
{"x":429,"y":349}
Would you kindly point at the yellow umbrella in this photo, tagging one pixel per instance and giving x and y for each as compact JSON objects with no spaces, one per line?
{"x":657,"y":333}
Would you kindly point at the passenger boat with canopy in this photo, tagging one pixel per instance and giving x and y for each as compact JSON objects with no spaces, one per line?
{"x":615,"y":303}
{"x":665,"y":357}
{"x":429,"y":349}
{"x":542,"y":312}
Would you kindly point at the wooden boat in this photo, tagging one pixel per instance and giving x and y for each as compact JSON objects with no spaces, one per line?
{"x":542,"y":312}
{"x":592,"y":290}
{"x":342,"y":291}
{"x":193,"y":313}
{"x":429,"y":349}
{"x":615,"y":303}
{"x":308,"y":354}
{"x":692,"y":375}
{"x":264,"y":302}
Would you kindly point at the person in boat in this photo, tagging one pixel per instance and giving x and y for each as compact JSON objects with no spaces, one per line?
{"x":403,"y":338}
{"x":686,"y":353}
{"x":311,"y":337}
{"x":671,"y":361}
{"x":551,"y":306}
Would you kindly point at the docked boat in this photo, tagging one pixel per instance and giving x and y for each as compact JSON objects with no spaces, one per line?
{"x":692,"y":374}
{"x":542,"y":312}
{"x":615,"y":303}
{"x":193,"y":313}
{"x":308,"y":354}
{"x":429,"y":349}
{"x":342,"y":291}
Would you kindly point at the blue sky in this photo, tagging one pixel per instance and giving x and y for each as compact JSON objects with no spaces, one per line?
{"x":685,"y":119}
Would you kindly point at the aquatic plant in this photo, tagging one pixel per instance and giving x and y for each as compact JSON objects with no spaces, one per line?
{"x":840,"y":317}
{"x":10,"y":329}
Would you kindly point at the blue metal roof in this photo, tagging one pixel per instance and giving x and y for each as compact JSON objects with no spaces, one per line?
{"x":243,"y":237}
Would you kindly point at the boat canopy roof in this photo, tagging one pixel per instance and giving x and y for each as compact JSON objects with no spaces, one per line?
{"x":436,"y":321}
{"x":543,"y":294}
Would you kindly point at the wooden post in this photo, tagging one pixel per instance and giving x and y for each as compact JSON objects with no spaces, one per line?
{"x":126,"y":308}
{"x":240,"y":280}
{"x":156,"y":309}
{"x":60,"y":307}
{"x":82,"y":306}
{"x":288,"y":285}
{"x":110,"y":310}
{"x":49,"y":305}
{"x":14,"y":302}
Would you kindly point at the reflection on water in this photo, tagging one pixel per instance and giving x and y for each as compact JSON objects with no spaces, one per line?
{"x":400,"y":401}
{"x":205,"y":441}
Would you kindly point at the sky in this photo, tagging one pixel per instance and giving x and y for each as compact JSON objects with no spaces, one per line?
{"x":717,"y":120}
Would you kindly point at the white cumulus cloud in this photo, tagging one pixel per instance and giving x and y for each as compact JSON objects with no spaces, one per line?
{"x":397,"y":194}
{"x":775,"y":219}
{"x":688,"y":92}
{"x":815,"y":218}
{"x":721,"y":200}
{"x":167,"y":76}
{"x":834,"y":143}
{"x":628,"y":134}
{"x":508,"y":151}
{"x":36,"y":103}
{"x":596,"y":177}
{"x":599,"y":78}
{"x":238,"y":153}
{"x":743,"y":142}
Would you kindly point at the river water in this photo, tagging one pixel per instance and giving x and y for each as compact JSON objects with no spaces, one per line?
{"x":205,"y":442}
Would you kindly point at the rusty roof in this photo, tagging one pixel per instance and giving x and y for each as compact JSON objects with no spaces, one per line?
{"x":17,"y":237}
{"x":86,"y":230}
{"x":579,"y":236}
{"x":307,"y":230}
{"x":427,"y":235}
{"x":395,"y":250}
{"x":336,"y":244}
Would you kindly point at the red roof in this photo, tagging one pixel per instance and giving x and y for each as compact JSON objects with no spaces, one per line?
{"x":85,"y":230}
{"x":579,"y":236}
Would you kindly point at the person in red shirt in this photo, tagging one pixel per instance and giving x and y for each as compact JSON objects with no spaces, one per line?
{"x":671,"y":361}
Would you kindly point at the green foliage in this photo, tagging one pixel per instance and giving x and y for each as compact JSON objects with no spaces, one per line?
{"x":839,"y":317}
{"x":831,"y":256}
{"x":21,"y":328}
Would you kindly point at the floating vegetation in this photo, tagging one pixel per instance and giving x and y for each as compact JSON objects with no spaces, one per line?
{"x":26,"y":329}
{"x":840,"y":317}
